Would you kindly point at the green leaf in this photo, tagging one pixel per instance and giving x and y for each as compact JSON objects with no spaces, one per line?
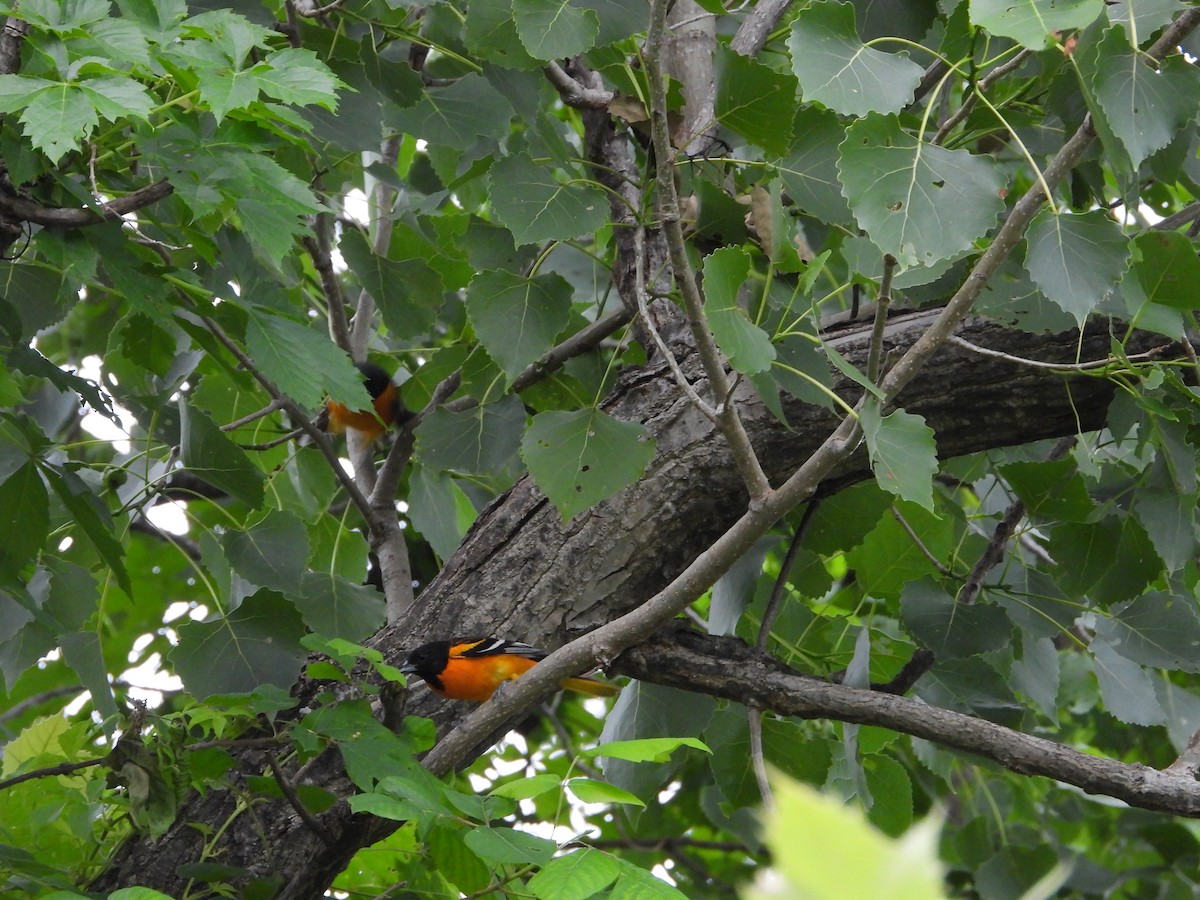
{"x":24,"y":518}
{"x":336,"y":607}
{"x":951,"y":629}
{"x":1032,"y":23}
{"x":635,"y":883}
{"x":888,"y":558}
{"x":903,"y":452}
{"x":273,"y":552}
{"x":527,"y":788}
{"x":93,"y":518}
{"x":83,"y":652}
{"x":1126,"y":687}
{"x":491,"y":35}
{"x":450,"y":852}
{"x":1167,"y":268}
{"x":588,"y":790}
{"x":117,"y":97}
{"x":480,"y":441}
{"x":223,"y":90}
{"x":753,"y":100}
{"x":214,"y":458}
{"x":507,"y":846}
{"x":575,"y":876}
{"x":297,"y":76}
{"x":837,"y":69}
{"x":258,"y":643}
{"x":516,"y":318}
{"x":1157,"y":629}
{"x":1144,"y":107}
{"x":920,"y":203}
{"x":1169,"y":518}
{"x":536,"y":205}
{"x":748,"y":347}
{"x":439,"y":509}
{"x":808,"y":168}
{"x":1076,"y":259}
{"x":554,"y":29}
{"x":408,"y":291}
{"x":302,"y":362}
{"x":581,"y":457}
{"x":1084,"y":553}
{"x":845,"y":856}
{"x":657,"y":750}
{"x":1050,"y":490}
{"x":455,"y":116}
{"x":58,"y":119}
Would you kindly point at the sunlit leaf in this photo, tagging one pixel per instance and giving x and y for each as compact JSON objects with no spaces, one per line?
{"x":903,"y":452}
{"x":1033,"y":23}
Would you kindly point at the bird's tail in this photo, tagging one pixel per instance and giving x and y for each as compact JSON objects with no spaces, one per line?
{"x":592,"y":686}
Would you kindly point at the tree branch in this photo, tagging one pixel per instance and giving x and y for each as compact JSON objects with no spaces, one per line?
{"x":725,"y":667}
{"x":15,"y":207}
{"x":572,"y":93}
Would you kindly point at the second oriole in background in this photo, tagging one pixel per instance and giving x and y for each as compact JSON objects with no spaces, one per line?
{"x":472,"y":668}
{"x":387,"y":409}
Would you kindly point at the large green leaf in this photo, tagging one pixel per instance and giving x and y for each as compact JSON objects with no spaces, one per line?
{"x":517,"y":318}
{"x":837,"y":69}
{"x":1033,"y":23}
{"x":338,"y":608}
{"x":256,"y":644}
{"x":918,"y":202}
{"x":1167,"y":268}
{"x":409,"y":292}
{"x":1076,"y":259}
{"x":302,"y":362}
{"x":554,"y":29}
{"x":504,"y":846}
{"x":575,"y":876}
{"x":455,"y":116}
{"x":581,"y":457}
{"x":1126,"y":687}
{"x":214,"y":458}
{"x":92,"y":517}
{"x":1144,"y":106}
{"x":439,"y":509}
{"x":1157,"y":629}
{"x":480,"y":441}
{"x":809,"y":167}
{"x":538,"y":206}
{"x":58,"y":119}
{"x":903,"y":452}
{"x":753,"y":100}
{"x":726,"y":272}
{"x":273,"y":552}
{"x":951,"y":629}
{"x":24,"y":518}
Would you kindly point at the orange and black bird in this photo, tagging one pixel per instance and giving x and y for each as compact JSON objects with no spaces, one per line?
{"x":387,"y":409}
{"x":472,"y":668}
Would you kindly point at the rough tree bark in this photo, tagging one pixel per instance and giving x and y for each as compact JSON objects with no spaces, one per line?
{"x":523,"y":573}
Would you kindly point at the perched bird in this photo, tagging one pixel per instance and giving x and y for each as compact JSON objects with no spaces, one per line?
{"x":387,"y":407}
{"x":472,"y":668}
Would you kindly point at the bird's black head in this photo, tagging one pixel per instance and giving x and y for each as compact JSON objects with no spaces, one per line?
{"x":375,"y":379}
{"x":428,"y":661}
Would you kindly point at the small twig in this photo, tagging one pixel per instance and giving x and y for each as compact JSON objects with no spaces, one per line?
{"x":882,"y":304}
{"x":289,"y":791}
{"x":572,"y":93}
{"x":648,"y":323}
{"x":14,"y":207}
{"x":777,"y":591}
{"x":1067,"y":368}
{"x":187,"y":546}
{"x":272,"y":444}
{"x":307,"y":10}
{"x":994,"y":552}
{"x":382,"y":201}
{"x":916,"y":539}
{"x":319,"y":246}
{"x":252,"y":417}
{"x":754,"y":719}
{"x":1186,"y":216}
{"x":920,"y":663}
{"x":984,"y":83}
{"x":50,"y":771}
{"x":37,"y":699}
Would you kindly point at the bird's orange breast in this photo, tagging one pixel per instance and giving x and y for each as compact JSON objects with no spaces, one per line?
{"x":477,"y":679}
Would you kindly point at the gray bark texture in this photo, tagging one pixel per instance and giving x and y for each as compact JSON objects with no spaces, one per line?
{"x":523,"y":573}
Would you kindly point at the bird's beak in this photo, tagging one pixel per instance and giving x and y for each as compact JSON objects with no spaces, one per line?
{"x":408,"y":669}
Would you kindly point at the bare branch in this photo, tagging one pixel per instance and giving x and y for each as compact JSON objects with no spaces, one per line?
{"x":11,"y":39}
{"x":725,"y":667}
{"x":757,"y":27}
{"x":320,"y":248}
{"x":572,"y":93}
{"x":14,"y":207}
{"x":754,"y":718}
{"x":382,"y":199}
{"x":1156,"y":353}
{"x":981,"y":87}
{"x":50,"y":771}
{"x":289,"y":792}
{"x":785,"y":570}
{"x":882,"y":305}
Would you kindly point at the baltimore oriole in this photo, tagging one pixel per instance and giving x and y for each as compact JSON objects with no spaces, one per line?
{"x":472,"y":668}
{"x":388,"y":408}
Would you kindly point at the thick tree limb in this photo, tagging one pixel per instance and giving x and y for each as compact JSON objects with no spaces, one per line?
{"x":725,"y":667}
{"x":20,"y":208}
